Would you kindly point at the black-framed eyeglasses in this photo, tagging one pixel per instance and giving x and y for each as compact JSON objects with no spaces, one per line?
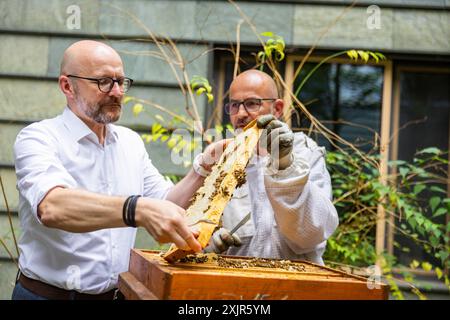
{"x":250,"y":105}
{"x":106,"y":84}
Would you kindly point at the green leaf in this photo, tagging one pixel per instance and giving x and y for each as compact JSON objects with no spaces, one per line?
{"x":219,"y":128}
{"x":408,"y":212}
{"x":279,"y":56}
{"x":434,"y":202}
{"x":418,"y":188}
{"x":412,"y":222}
{"x":439,"y":212}
{"x":374,"y":56}
{"x":426,"y":266}
{"x":127,"y":99}
{"x":437,"y":189}
{"x":260,"y":56}
{"x":137,"y":108}
{"x":171,"y":143}
{"x":364,"y":55}
{"x":156,"y":127}
{"x":159,"y":118}
{"x":397,"y":162}
{"x":267,"y":34}
{"x":366,"y":197}
{"x":434,"y":241}
{"x":403,"y":171}
{"x":210,"y":97}
{"x":414,"y":264}
{"x":146,"y":137}
{"x":432,"y":150}
{"x":352,"y":54}
{"x":200,"y":91}
{"x":380,"y":55}
{"x":443,"y":255}
{"x":438,"y":272}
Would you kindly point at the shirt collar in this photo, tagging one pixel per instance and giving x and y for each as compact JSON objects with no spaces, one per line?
{"x":79,"y":130}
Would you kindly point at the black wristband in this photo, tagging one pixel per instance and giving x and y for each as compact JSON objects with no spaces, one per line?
{"x":131,"y":211}
{"x":126,"y":205}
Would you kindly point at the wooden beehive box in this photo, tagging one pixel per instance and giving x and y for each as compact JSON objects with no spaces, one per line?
{"x":151,"y":277}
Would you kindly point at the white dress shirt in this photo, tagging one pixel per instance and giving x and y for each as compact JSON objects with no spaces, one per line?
{"x":292,"y":212}
{"x":63,"y":151}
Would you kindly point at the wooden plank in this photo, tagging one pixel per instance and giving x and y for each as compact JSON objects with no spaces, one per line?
{"x":132,"y":289}
{"x":152,"y":278}
{"x":210,"y":280}
{"x":384,"y":156}
{"x":199,"y":286}
{"x":394,"y":151}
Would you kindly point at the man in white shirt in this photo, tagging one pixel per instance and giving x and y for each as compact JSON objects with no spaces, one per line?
{"x":288,"y":192}
{"x":74,"y":175}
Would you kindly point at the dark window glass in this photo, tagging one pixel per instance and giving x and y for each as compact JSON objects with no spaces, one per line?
{"x":344,"y":97}
{"x":425,"y":116}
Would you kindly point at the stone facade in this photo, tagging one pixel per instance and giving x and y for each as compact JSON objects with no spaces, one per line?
{"x":34,"y":34}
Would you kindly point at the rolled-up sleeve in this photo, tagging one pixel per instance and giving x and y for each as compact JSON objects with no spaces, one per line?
{"x":38,"y":167}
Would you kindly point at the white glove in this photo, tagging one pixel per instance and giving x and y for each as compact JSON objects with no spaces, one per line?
{"x":221,"y":240}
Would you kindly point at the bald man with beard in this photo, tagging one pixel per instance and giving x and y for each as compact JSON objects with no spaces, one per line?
{"x":79,"y":178}
{"x":288,"y":188}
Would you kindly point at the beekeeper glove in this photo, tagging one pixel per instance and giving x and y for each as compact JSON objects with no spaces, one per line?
{"x":221,"y":240}
{"x":278,"y":139}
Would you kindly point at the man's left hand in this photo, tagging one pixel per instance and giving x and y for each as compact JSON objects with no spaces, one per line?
{"x":279,"y":140}
{"x":221,"y":240}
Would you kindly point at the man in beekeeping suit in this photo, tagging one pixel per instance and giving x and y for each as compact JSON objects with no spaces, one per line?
{"x":288,"y":191}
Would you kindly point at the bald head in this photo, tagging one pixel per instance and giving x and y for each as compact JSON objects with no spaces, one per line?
{"x":254,"y":84}
{"x":88,"y":56}
{"x":255,"y":80}
{"x":82,"y":61}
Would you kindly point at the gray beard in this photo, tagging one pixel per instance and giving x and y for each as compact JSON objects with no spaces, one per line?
{"x":95,"y":112}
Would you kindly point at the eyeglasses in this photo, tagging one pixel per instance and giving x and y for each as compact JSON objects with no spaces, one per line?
{"x":250,"y":105}
{"x":106,"y":84}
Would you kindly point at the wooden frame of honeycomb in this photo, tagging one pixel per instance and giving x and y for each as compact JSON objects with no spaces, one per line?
{"x":210,"y":200}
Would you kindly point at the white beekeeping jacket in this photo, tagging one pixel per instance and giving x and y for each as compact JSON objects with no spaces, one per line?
{"x":292,"y":210}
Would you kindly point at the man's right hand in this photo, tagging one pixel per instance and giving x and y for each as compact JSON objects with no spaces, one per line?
{"x":165,"y":222}
{"x":213,"y":152}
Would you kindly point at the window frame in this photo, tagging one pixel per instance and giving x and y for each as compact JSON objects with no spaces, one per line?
{"x":401,"y":68}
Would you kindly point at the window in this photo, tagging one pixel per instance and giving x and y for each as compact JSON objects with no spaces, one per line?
{"x":358,"y":101}
{"x":347,"y":98}
{"x":421,"y":115}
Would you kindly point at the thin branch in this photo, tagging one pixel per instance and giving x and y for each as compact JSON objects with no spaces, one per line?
{"x":238,"y":48}
{"x":9,"y":252}
{"x":161,"y":108}
{"x":9,"y":215}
